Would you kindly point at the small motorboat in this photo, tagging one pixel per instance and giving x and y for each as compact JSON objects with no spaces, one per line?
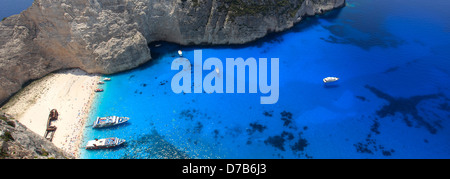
{"x":101,"y":82}
{"x":98,"y":90}
{"x":330,"y":79}
{"x":217,"y":70}
{"x":104,"y":143}
{"x":180,"y":53}
{"x":107,"y":79}
{"x":109,"y":121}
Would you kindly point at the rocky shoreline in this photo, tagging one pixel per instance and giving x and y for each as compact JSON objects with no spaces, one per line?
{"x":103,"y":36}
{"x":70,"y":92}
{"x":18,"y":142}
{"x":107,"y":37}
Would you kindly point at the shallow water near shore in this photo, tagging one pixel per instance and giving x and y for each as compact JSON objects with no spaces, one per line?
{"x":392,"y":99}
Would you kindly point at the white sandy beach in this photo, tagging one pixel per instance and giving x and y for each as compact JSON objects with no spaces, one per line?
{"x":71,"y":92}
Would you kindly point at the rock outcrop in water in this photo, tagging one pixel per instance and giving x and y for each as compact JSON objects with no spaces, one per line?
{"x":108,"y":36}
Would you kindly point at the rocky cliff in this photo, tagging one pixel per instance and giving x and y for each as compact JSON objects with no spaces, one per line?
{"x":17,"y":142}
{"x":108,"y":36}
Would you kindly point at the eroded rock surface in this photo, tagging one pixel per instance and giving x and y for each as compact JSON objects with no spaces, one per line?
{"x":109,"y":36}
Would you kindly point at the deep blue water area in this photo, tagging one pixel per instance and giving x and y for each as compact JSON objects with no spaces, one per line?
{"x":392,"y":99}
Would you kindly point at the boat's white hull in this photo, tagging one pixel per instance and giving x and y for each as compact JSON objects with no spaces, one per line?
{"x":330,"y":79}
{"x":114,"y":122}
{"x":103,"y":144}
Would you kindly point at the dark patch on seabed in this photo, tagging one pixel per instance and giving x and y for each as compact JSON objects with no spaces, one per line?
{"x":369,"y":145}
{"x":362,"y":98}
{"x":300,"y":145}
{"x":188,"y":114}
{"x":286,"y":117}
{"x":152,"y":146}
{"x":287,"y":139}
{"x":366,"y":35}
{"x":191,"y":114}
{"x":268,"y":113}
{"x":393,"y":69}
{"x":298,"y":148}
{"x":408,"y":108}
{"x":366,"y":44}
{"x":256,"y":127}
{"x":278,"y":140}
{"x":198,"y":128}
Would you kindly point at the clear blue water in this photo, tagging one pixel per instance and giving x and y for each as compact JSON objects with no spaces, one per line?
{"x":12,"y":7}
{"x":393,"y":58}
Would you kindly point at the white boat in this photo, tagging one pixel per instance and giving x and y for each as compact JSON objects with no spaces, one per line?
{"x":104,"y":143}
{"x":180,"y":53}
{"x":217,"y":70}
{"x":109,"y":121}
{"x":330,"y":79}
{"x":107,"y":79}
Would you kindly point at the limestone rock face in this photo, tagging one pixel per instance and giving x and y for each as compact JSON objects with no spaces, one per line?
{"x":109,"y":36}
{"x":17,"y":142}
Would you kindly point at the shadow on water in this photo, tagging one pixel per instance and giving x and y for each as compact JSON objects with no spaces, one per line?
{"x":120,"y":147}
{"x":330,"y":86}
{"x":333,"y":15}
{"x":365,"y":33}
{"x":163,"y":48}
{"x":312,"y":21}
{"x":114,"y":127}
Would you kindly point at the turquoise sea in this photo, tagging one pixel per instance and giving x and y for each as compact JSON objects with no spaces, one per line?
{"x":392,"y":99}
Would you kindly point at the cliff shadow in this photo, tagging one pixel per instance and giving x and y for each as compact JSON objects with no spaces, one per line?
{"x":163,"y":48}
